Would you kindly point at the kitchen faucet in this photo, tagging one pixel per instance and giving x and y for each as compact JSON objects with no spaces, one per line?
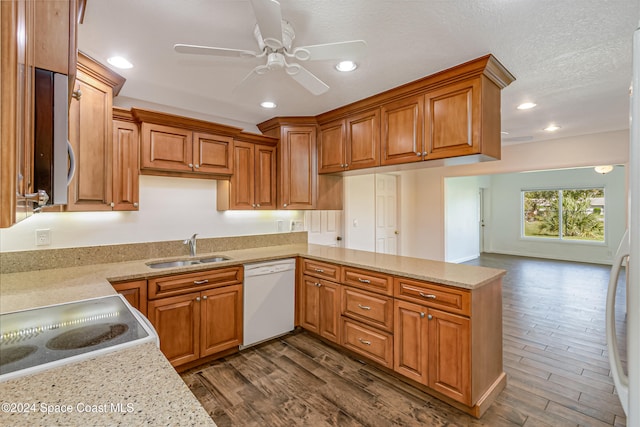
{"x":192,"y":244}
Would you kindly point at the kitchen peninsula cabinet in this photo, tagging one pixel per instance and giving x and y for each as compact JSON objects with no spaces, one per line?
{"x":92,"y":139}
{"x":135,"y":293}
{"x":351,"y":143}
{"x":197,"y":315}
{"x":253,"y":183}
{"x":319,"y":299}
{"x":181,"y":146}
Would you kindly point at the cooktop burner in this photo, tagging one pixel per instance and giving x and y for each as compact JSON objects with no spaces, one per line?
{"x":41,"y":338}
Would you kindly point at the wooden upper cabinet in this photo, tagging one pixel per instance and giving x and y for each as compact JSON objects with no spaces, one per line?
{"x":402,"y":137}
{"x":126,"y":148}
{"x":181,"y":146}
{"x":332,"y":151}
{"x":212,"y":153}
{"x":297,"y":161}
{"x":91,"y":137}
{"x":253,"y":183}
{"x":166,"y":148}
{"x":363,"y":140}
{"x":463,"y":119}
{"x":350,"y":143}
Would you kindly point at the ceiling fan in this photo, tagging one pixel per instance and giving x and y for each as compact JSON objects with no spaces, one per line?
{"x":275,"y":40}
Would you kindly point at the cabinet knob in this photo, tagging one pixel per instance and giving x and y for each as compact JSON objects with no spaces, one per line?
{"x":284,"y":205}
{"x":135,"y":204}
{"x":346,"y":165}
{"x":258,"y":205}
{"x":253,"y":205}
{"x":429,"y":317}
{"x":190,"y":165}
{"x":196,"y":166}
{"x":112,"y":204}
{"x":424,"y":154}
{"x":318,"y":284}
{"x":421,"y":315}
{"x":76,"y":94}
{"x":197,"y":298}
{"x":418,"y":153}
{"x":204,"y":297}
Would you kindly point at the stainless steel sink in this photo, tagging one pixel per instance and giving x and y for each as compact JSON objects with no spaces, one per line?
{"x":186,"y":262}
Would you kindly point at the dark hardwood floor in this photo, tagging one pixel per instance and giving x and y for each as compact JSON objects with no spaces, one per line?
{"x":555,"y":357}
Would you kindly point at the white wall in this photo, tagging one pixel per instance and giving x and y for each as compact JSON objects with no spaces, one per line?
{"x":506,"y":221}
{"x":462,"y":217}
{"x":170,"y":209}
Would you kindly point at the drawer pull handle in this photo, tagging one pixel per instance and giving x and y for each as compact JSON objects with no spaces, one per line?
{"x":319,"y":270}
{"x":365,"y":342}
{"x":364,"y":307}
{"x":200,"y":282}
{"x":431,"y":296}
{"x":364,"y":280}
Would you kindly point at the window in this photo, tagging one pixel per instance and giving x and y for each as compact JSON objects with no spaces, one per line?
{"x":571,"y":214}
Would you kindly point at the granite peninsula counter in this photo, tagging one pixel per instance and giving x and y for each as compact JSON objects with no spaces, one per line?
{"x":139,"y":381}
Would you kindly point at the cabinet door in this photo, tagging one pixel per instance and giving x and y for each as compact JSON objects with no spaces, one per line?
{"x":243,"y":181}
{"x":309,"y":309}
{"x":221,"y":324}
{"x":90,"y":134}
{"x":177,"y":321}
{"x":410,"y":349}
{"x":125,"y":166}
{"x":135,"y":293}
{"x":402,"y":138}
{"x":332,"y":139}
{"x":450,"y":355}
{"x":212,"y":153}
{"x":297,"y":168}
{"x":363,"y":140}
{"x":265,"y":177}
{"x":166,"y":148}
{"x":329,"y":297}
{"x":452,"y":120}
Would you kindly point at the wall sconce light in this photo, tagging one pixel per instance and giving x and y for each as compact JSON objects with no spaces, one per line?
{"x":603,"y":169}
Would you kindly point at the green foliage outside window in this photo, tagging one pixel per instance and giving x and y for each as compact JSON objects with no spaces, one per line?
{"x":564,"y":214}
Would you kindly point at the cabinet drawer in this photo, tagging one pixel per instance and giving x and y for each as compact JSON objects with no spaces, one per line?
{"x":368,"y":280}
{"x":321,"y":269}
{"x":450,"y":299}
{"x":367,"y":307}
{"x":182,"y":283}
{"x":369,"y":342}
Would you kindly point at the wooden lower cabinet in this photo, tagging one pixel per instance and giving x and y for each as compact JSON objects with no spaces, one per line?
{"x":432,"y":347}
{"x":370,"y":342}
{"x":319,"y":310}
{"x":198,"y":324}
{"x":135,"y":293}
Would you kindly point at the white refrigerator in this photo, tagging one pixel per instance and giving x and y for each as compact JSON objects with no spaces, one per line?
{"x":628,"y":385}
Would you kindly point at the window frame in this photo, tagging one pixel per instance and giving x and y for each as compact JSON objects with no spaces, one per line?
{"x":560,"y":239}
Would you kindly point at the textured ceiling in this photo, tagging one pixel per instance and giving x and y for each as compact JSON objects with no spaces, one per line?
{"x":571,"y":57}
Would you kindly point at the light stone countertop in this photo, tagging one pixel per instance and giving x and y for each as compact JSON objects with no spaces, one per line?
{"x":141,"y":376}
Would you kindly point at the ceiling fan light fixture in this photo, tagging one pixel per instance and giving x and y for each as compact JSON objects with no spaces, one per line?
{"x":526,"y":106}
{"x":268,"y":104}
{"x":604,"y":169}
{"x":120,"y":62}
{"x":346,"y":66}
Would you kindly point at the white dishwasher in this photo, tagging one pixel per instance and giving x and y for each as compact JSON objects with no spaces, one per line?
{"x":269,"y":300}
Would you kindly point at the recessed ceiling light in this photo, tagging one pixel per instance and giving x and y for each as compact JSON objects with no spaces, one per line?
{"x":119,"y":62}
{"x":526,"y":105}
{"x":552,"y":128}
{"x":346,"y":66}
{"x":268,"y":104}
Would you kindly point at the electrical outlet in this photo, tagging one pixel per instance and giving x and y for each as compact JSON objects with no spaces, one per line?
{"x":280,"y":225}
{"x":296,"y":225}
{"x":43,"y":237}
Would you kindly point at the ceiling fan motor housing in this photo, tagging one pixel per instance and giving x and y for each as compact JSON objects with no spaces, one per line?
{"x":288,"y":35}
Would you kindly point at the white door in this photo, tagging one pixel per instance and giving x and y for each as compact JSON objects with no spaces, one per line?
{"x":481,"y":216}
{"x":324,"y":227}
{"x":387,"y":228}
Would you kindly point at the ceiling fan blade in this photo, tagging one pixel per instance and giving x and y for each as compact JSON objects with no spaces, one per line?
{"x":353,"y":49}
{"x":216,"y":51}
{"x":269,"y":17}
{"x":306,"y":79}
